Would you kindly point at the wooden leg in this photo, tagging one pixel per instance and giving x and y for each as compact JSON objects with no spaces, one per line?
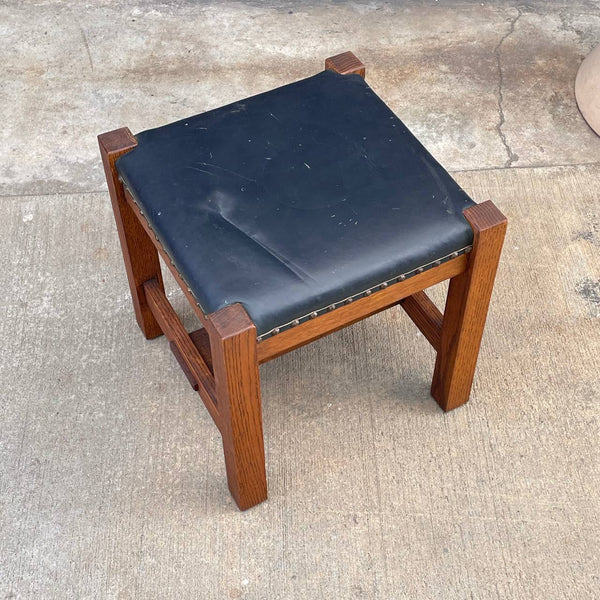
{"x":235,"y":362}
{"x":466,"y":308}
{"x":345,"y":64}
{"x":139,"y":253}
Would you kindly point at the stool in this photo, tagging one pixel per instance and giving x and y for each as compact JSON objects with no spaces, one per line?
{"x":285,"y":217}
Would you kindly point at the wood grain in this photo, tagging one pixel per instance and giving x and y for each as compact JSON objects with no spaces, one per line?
{"x":139,"y":253}
{"x":466,"y":308}
{"x":235,"y":362}
{"x":345,"y":64}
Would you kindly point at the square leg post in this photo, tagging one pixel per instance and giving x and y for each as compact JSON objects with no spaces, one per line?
{"x":139,"y":253}
{"x":345,"y":64}
{"x":233,"y":346}
{"x":466,"y":308}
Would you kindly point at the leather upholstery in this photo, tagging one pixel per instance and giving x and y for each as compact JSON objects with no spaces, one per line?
{"x":295,"y":199}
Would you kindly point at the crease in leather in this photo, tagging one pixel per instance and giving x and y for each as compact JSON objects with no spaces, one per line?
{"x":286,"y":263}
{"x":223,"y":207}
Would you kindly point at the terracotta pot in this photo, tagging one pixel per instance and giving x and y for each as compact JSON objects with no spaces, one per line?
{"x":587,"y":89}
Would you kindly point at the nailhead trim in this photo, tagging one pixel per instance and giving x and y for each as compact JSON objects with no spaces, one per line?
{"x":367,"y":292}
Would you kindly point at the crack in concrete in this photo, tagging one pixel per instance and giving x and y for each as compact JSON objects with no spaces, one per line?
{"x":87,"y":46}
{"x":511,"y":156}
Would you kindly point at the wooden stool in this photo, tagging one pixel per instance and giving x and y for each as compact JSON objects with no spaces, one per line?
{"x":285,"y":217}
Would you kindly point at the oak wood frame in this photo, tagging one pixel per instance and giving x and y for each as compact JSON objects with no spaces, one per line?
{"x":221,"y":360}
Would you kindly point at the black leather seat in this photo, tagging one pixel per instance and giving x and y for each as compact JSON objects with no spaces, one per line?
{"x":295,"y":200}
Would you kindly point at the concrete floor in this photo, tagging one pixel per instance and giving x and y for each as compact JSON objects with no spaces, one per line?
{"x":112,"y":481}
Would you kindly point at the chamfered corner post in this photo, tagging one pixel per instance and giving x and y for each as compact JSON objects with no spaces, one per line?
{"x":466,"y":310}
{"x":345,"y":64}
{"x":233,"y":343}
{"x":139,"y":253}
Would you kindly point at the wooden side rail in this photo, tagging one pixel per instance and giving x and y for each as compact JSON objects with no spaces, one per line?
{"x":202,"y":342}
{"x":425,"y":315}
{"x":329,"y":322}
{"x":174,"y":330}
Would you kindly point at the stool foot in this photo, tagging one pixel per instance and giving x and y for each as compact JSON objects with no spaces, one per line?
{"x":235,"y":362}
{"x":466,"y":308}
